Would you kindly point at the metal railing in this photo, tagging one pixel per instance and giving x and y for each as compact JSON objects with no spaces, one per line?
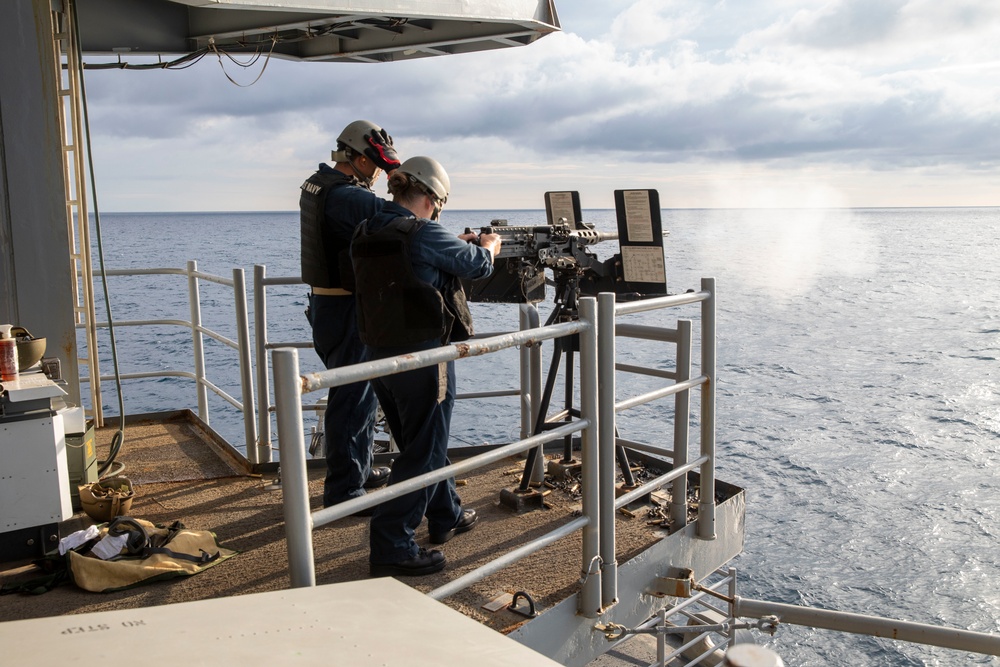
{"x":707,"y":621}
{"x":262,"y":452}
{"x":596,"y":425}
{"x":681,"y":388}
{"x":698,"y":627}
{"x":874,"y":626}
{"x":198,"y":333}
{"x":262,"y":345}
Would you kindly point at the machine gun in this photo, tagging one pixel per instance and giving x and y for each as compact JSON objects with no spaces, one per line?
{"x":557,"y":247}
{"x":564,"y":247}
{"x":525,"y":253}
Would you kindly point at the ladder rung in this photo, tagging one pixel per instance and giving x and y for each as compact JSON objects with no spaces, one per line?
{"x":66,"y":87}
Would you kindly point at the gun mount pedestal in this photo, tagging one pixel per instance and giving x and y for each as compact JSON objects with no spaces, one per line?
{"x":563,"y":247}
{"x":522,"y":499}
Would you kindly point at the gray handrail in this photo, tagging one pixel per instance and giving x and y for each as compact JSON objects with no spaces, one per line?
{"x":242,"y":343}
{"x":263,"y":450}
{"x":290,"y":386}
{"x":596,"y":329}
{"x":875,"y":626}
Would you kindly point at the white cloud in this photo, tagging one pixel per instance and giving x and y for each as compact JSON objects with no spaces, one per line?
{"x":656,"y":92}
{"x":653,"y":22}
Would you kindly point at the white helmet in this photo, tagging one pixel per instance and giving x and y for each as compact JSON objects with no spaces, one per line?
{"x":430,"y":175}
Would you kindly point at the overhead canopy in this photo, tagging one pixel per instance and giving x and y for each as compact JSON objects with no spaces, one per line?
{"x":319,"y":30}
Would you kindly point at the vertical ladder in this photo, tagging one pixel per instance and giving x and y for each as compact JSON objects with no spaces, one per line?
{"x":77,"y":215}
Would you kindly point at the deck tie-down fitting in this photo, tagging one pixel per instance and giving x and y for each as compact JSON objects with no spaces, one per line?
{"x":514,"y":607}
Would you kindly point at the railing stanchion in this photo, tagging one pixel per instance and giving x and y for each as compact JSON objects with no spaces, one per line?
{"x":706,"y":502}
{"x":531,"y":386}
{"x":590,"y":593}
{"x":538,"y":474}
{"x":661,"y":640}
{"x":528,"y":319}
{"x":606,"y":344}
{"x":246,"y":365}
{"x":682,"y":420}
{"x":294,"y":479}
{"x":194,"y":300}
{"x":263,"y":444}
{"x":731,"y":635}
{"x":524,"y":374}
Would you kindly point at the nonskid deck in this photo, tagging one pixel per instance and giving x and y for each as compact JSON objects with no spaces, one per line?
{"x":180,"y":476}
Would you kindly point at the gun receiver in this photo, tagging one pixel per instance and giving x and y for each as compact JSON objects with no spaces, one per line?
{"x":554,"y":246}
{"x":525,"y":253}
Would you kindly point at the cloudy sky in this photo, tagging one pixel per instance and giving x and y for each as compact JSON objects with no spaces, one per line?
{"x":746,"y":103}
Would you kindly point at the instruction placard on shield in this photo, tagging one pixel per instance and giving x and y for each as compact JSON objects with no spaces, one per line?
{"x":640,"y":236}
{"x":638,"y":217}
{"x":564,"y":206}
{"x":643,"y":264}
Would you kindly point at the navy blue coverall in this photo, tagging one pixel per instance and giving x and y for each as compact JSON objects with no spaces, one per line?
{"x":418,"y":403}
{"x":349,"y":423}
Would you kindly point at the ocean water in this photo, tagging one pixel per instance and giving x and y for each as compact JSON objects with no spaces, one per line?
{"x":857,"y":391}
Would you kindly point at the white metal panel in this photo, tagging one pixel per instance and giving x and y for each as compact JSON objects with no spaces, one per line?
{"x":34,"y":476}
{"x":359,"y":623}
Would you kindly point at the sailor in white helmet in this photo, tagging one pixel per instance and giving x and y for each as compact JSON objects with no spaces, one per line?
{"x":407,"y":268}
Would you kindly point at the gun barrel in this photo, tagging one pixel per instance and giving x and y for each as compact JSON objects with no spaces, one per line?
{"x":591,"y":236}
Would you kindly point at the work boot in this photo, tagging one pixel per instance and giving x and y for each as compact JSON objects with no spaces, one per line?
{"x":425,"y":562}
{"x":378,"y":477}
{"x":466,"y":522}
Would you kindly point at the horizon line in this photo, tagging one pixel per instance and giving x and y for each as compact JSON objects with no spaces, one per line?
{"x":662,"y":208}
